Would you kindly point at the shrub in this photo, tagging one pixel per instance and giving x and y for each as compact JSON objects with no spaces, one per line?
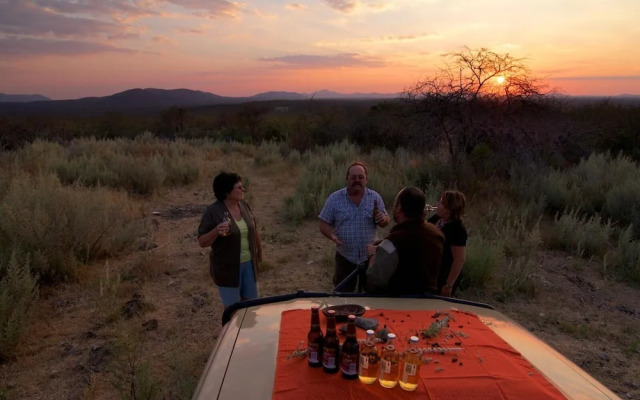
{"x":517,"y":279}
{"x":626,"y":256}
{"x":142,"y":165}
{"x":600,"y":184}
{"x":483,"y":257}
{"x":18,"y":294}
{"x":585,"y":235}
{"x":61,"y":226}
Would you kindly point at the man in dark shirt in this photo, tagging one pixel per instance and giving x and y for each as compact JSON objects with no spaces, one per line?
{"x":408,"y":259}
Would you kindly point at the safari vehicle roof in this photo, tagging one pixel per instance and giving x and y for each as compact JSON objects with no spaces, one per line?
{"x":243,"y":362}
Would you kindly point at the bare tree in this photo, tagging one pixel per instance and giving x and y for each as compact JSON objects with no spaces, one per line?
{"x":471,"y":100}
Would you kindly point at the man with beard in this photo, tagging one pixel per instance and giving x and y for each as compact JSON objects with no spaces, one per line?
{"x":349,"y":219}
{"x":407,"y":261}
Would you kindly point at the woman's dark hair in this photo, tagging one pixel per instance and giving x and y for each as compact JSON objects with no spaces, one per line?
{"x":455,"y":202}
{"x":412,"y":200}
{"x":223,"y":184}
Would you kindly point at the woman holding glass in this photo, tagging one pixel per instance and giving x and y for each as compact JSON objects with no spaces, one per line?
{"x":448,"y":218}
{"x":229,"y":228}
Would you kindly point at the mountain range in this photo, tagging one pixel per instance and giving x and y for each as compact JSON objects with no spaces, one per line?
{"x":141,"y":101}
{"x":150,"y":101}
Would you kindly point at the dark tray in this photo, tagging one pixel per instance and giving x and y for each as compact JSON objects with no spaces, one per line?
{"x":344,"y":310}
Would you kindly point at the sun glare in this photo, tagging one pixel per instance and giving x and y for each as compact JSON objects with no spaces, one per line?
{"x":500,"y":80}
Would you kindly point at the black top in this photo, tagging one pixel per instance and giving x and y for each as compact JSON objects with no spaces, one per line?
{"x":455,"y":234}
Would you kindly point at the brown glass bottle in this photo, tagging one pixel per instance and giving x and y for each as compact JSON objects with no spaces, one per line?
{"x":314,"y":340}
{"x":350,"y":351}
{"x":330,"y":345}
{"x":376,"y":210}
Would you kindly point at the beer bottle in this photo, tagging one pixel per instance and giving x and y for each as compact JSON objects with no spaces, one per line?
{"x":314,"y":339}
{"x":376,"y":210}
{"x":368,"y":367}
{"x":389,"y":363}
{"x":410,"y":368}
{"x":330,"y":345}
{"x":350,"y":351}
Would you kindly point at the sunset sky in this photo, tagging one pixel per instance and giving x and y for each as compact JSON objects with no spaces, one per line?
{"x":67,"y":49}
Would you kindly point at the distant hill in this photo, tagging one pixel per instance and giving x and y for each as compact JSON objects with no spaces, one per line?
{"x":328,"y":94}
{"x":148,"y":101}
{"x":133,"y":101}
{"x":21,"y":98}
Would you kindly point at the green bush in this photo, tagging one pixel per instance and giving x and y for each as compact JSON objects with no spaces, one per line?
{"x":626,"y":256}
{"x":18,"y":294}
{"x":585,"y":235}
{"x":600,"y":184}
{"x":62,"y":226}
{"x":517,"y":278}
{"x":483,"y":257}
{"x":141,"y":165}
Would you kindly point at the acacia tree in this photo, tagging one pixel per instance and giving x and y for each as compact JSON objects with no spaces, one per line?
{"x":473,"y":100}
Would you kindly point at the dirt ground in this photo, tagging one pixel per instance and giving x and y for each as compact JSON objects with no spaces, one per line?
{"x":159,"y":305}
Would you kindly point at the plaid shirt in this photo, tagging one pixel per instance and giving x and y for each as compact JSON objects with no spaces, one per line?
{"x":353,"y":224}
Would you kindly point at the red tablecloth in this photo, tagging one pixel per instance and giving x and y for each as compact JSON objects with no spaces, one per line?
{"x":486,"y":368}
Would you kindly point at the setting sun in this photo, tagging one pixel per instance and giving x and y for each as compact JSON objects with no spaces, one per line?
{"x":500,"y":80}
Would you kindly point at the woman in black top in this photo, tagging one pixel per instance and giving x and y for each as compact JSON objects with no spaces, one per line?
{"x":448,"y":219}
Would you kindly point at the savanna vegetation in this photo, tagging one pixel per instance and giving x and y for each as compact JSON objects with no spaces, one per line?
{"x":541,"y":173}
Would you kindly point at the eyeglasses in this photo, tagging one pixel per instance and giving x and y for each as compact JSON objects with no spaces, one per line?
{"x":354,"y":177}
{"x":240,"y":187}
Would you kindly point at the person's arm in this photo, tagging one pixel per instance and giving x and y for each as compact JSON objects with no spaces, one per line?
{"x":328,"y":231}
{"x":382,"y":265}
{"x":458,"y":253}
{"x":207,"y":239}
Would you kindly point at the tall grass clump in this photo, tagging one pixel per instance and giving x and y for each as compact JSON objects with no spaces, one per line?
{"x":141,"y":165}
{"x":483,"y":258}
{"x":18,"y":294}
{"x":601,"y":184}
{"x":626,"y":257}
{"x":130,"y":369}
{"x":269,"y":154}
{"x":63,"y":226}
{"x":320,"y":178}
{"x":585,"y":235}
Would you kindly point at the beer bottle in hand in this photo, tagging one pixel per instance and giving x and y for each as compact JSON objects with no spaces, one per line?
{"x":314,"y":339}
{"x":376,"y":210}
{"x":389,"y":363}
{"x":369,"y":360}
{"x":350,"y":351}
{"x":410,"y":368}
{"x":330,"y":345}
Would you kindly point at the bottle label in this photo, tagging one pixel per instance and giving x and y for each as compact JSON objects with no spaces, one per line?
{"x":385,"y":367}
{"x":349,"y":364}
{"x":313,"y":352}
{"x":329,"y":358}
{"x":364,"y":361}
{"x":410,"y":369}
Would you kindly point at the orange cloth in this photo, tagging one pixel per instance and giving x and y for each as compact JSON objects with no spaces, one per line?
{"x":486,"y":368}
